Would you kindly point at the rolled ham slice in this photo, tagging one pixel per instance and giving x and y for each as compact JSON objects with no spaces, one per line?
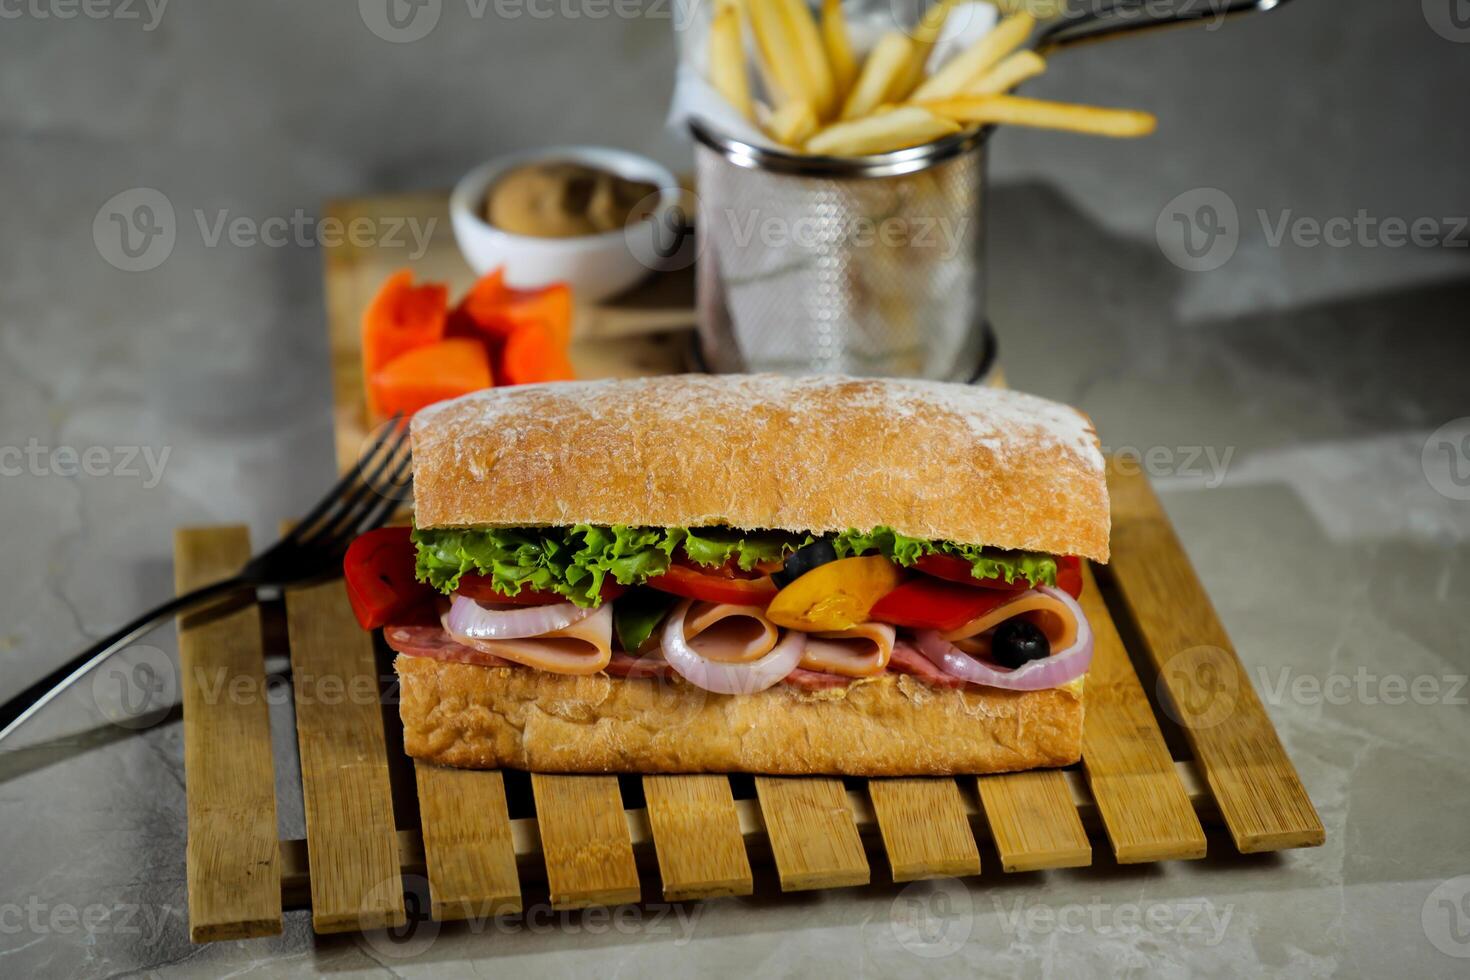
{"x":1050,"y":615}
{"x":729,"y":634}
{"x":585,"y":647}
{"x":861,"y":651}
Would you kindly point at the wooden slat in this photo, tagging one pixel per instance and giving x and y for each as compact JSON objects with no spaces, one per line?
{"x":468,"y":849}
{"x":351,"y":842}
{"x":814,"y":838}
{"x":1254,"y":783}
{"x":924,"y":827}
{"x":1145,"y":810}
{"x":1034,"y":821}
{"x":696,"y":834}
{"x":233,"y":858}
{"x":585,"y":840}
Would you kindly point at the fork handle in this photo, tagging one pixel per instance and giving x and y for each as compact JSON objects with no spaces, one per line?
{"x":1129,"y":16}
{"x":16,"y":711}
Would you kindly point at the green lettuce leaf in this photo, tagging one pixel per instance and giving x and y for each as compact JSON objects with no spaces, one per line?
{"x":1035,"y":567}
{"x":577,"y":561}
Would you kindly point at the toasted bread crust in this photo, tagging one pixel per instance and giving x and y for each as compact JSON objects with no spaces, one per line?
{"x":814,"y":454}
{"x":895,"y":725}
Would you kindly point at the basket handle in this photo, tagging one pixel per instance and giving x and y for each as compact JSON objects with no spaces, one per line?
{"x":1130,"y":16}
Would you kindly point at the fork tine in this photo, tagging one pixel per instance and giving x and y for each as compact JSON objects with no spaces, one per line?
{"x":330,"y":512}
{"x":392,"y":436}
{"x":380,"y":513}
{"x":334,"y":531}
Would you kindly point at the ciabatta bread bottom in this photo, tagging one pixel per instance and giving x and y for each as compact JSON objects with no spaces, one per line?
{"x":477,"y":717}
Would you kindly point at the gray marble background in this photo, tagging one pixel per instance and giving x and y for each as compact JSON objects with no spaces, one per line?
{"x":1336,"y":545}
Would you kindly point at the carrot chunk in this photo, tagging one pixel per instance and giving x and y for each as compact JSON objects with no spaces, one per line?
{"x":532,"y":354}
{"x":499,"y":310}
{"x":402,"y":316}
{"x":430,"y":374}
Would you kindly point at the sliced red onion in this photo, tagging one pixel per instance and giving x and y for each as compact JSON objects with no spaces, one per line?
{"x":728,"y":678}
{"x":1038,"y":675}
{"x":466,"y":617}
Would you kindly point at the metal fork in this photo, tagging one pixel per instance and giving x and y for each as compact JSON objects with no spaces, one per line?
{"x":311,"y":550}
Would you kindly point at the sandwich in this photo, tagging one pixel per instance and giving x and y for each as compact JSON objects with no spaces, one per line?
{"x":746,"y":573}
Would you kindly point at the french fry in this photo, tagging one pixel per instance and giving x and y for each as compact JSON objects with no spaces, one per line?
{"x":894,"y":130}
{"x":839,"y":50}
{"x":780,"y":64}
{"x":977,"y":59}
{"x":1014,"y":110}
{"x":925,"y":34}
{"x":880,"y":70}
{"x":727,"y":60}
{"x":793,"y":123}
{"x":812,"y":56}
{"x":1008,"y":74}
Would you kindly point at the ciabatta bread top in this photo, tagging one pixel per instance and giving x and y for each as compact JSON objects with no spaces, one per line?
{"x":823,"y":453}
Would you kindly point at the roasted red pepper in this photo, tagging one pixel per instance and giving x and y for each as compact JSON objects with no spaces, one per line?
{"x":379,"y":569}
{"x":927,"y":603}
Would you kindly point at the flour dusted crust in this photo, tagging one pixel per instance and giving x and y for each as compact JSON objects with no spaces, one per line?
{"x":476,"y":717}
{"x":932,"y":460}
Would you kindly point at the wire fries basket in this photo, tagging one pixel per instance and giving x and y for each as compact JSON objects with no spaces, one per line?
{"x":867,"y":265}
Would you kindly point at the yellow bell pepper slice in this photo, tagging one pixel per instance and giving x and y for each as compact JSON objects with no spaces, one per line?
{"x":836,"y":596}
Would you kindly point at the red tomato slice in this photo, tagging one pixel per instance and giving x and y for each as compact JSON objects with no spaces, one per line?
{"x":476,"y":586}
{"x":953,"y":569}
{"x":379,"y":569}
{"x":928,"y":604}
{"x":730,"y":569}
{"x":715,"y":586}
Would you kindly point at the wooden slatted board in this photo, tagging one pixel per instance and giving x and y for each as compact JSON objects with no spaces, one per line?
{"x":694,"y":837}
